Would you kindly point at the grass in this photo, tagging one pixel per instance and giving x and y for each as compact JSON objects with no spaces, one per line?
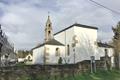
{"x":99,"y":75}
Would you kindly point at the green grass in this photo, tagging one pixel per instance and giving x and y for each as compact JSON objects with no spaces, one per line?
{"x":99,"y":75}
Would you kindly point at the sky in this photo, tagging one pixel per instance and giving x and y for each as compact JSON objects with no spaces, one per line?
{"x":23,"y":21}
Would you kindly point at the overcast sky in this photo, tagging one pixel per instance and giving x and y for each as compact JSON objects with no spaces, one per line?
{"x":24,"y":20}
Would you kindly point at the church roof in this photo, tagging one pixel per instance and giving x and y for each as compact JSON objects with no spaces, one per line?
{"x":51,"y":42}
{"x":100,"y":44}
{"x":54,"y":42}
{"x":78,"y":25}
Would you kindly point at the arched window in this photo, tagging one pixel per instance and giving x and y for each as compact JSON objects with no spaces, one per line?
{"x":57,"y":52}
{"x":49,"y":32}
{"x":49,"y":25}
{"x":68,"y":50}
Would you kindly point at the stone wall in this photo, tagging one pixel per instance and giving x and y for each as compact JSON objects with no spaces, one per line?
{"x":43,"y":72}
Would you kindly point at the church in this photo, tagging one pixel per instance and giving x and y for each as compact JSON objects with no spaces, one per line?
{"x":71,"y":45}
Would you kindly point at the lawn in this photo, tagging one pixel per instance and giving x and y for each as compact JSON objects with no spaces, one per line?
{"x":100,"y":75}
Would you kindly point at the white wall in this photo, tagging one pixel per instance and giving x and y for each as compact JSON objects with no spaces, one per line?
{"x":38,"y":55}
{"x":101,"y":53}
{"x":65,"y":38}
{"x":84,"y":48}
{"x":53,"y":59}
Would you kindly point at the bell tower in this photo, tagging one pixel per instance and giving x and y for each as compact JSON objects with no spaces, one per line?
{"x":48,"y":30}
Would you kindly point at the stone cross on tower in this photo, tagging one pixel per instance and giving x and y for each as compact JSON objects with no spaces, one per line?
{"x":48,"y":30}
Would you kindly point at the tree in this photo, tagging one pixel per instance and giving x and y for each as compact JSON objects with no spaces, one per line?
{"x":116,"y":44}
{"x":23,"y":53}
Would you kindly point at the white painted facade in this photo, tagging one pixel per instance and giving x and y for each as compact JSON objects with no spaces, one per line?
{"x":86,"y":42}
{"x":50,"y":50}
{"x":101,"y":53}
{"x":38,"y":55}
{"x":85,"y":39}
{"x":86,"y":46}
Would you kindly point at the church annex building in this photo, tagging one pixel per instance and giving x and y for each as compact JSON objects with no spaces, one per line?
{"x":71,"y":45}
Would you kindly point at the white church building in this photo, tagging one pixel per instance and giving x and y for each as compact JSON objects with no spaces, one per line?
{"x":73,"y":44}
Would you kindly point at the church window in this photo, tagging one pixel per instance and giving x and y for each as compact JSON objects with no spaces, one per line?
{"x":68,"y":50}
{"x":49,"y":32}
{"x":57,"y":52}
{"x":49,"y":25}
